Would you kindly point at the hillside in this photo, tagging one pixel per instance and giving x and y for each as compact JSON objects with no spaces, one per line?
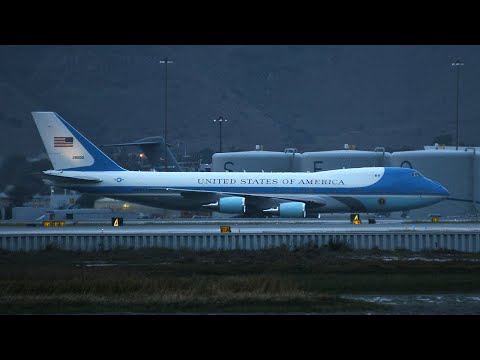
{"x":309,"y":97}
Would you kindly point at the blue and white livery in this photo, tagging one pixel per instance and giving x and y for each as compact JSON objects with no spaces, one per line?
{"x":80,"y":165}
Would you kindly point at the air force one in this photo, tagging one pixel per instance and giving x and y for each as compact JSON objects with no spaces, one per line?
{"x":79,"y":165}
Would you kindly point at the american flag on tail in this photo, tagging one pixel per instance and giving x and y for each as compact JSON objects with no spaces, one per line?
{"x":62,"y":141}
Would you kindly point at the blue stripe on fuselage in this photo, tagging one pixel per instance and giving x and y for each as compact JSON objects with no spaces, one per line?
{"x":258,"y":190}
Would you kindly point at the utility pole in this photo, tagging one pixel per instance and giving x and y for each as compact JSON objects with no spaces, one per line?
{"x":220,"y":120}
{"x":166,"y":62}
{"x":458,"y":63}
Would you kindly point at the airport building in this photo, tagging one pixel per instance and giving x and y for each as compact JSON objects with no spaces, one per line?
{"x":256,"y":160}
{"x":457,"y":170}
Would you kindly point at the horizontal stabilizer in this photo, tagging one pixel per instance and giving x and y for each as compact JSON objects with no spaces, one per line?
{"x":61,"y":178}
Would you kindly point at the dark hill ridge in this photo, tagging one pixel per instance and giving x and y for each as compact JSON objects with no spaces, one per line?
{"x":309,"y":97}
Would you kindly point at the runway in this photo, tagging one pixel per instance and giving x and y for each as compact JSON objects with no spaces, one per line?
{"x":243,"y":226}
{"x":245,"y":235}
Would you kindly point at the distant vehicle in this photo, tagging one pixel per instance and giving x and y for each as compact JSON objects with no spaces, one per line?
{"x":79,"y":165}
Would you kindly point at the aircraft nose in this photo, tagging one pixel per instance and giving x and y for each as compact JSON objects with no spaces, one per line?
{"x":444,"y":191}
{"x":439,"y":189}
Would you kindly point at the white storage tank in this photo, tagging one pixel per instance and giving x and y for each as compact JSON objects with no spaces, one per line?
{"x":338,"y":159}
{"x":476,"y":179}
{"x":253,"y":161}
{"x":451,"y":168}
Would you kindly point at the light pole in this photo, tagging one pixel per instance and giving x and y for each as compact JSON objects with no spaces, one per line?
{"x":220,"y":120}
{"x":457,"y":63}
{"x":166,"y":62}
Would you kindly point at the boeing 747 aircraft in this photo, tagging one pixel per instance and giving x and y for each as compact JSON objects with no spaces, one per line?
{"x":79,"y":165}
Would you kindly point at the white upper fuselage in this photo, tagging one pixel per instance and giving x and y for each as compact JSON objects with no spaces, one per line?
{"x":343,"y":178}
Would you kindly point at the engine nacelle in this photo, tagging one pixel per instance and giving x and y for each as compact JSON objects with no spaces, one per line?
{"x":289,"y":210}
{"x":292,"y":209}
{"x":229,"y":205}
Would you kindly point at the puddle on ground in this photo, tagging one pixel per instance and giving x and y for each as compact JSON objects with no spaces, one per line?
{"x":436,"y":304}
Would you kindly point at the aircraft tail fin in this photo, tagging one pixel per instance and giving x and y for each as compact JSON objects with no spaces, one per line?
{"x":67,"y":148}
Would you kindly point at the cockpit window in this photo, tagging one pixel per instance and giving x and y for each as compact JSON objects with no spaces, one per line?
{"x":415,"y":173}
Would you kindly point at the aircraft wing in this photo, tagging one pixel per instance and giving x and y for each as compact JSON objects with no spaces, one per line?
{"x":257,"y":200}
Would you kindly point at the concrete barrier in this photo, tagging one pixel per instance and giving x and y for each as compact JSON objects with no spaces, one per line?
{"x":415,"y":241}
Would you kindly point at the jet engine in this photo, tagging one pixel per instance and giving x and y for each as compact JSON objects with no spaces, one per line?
{"x":290,"y":209}
{"x":229,"y":205}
